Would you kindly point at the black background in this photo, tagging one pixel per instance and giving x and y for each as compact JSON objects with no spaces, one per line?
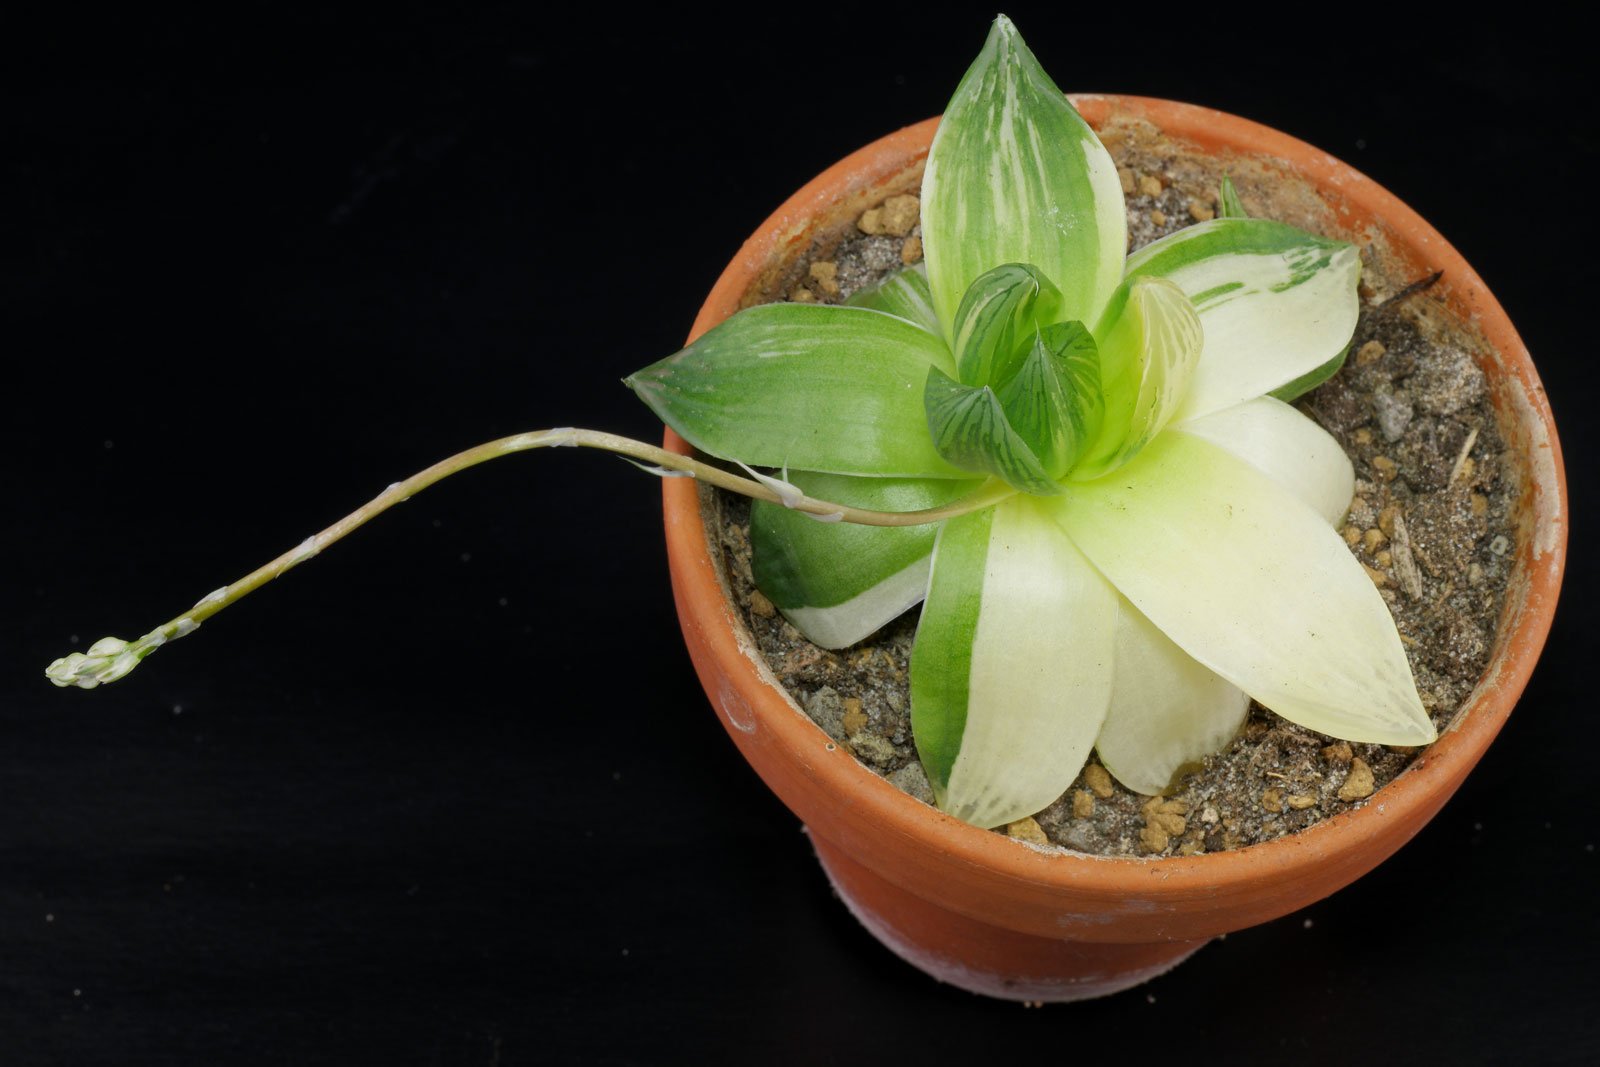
{"x":451,"y":794}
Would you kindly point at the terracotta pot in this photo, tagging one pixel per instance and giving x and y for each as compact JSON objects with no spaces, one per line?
{"x":989,"y":914}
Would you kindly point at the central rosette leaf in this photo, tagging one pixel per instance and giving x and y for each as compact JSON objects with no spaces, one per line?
{"x":1028,"y":399}
{"x":1037,"y":399}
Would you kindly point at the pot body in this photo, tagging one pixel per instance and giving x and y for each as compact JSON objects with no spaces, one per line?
{"x":996,"y":916}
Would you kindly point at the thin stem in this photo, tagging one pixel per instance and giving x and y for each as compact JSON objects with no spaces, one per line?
{"x":110,"y":658}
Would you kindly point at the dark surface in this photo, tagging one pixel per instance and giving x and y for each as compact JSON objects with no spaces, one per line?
{"x":451,"y":794}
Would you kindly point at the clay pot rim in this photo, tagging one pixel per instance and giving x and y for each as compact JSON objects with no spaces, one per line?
{"x":1411,"y":797}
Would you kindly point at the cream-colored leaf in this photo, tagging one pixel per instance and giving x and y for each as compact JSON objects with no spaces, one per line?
{"x":1287,"y":447}
{"x":1276,"y":303}
{"x":1019,"y":699}
{"x":1253,"y":583}
{"x":1167,"y":709}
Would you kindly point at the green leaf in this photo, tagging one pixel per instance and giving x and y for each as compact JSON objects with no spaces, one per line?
{"x":1011,"y":671}
{"x":1287,"y":447}
{"x":999,"y":313}
{"x":969,"y":429}
{"x":1150,"y":346}
{"x":1168,"y":711}
{"x":1228,"y":204}
{"x":839,"y":582}
{"x":1053,"y":399}
{"x":807,"y":386}
{"x":1277,"y":304}
{"x":941,"y":658}
{"x":903,"y":294}
{"x":1252,"y":583}
{"x":1016,"y":176}
{"x":1311,"y":379}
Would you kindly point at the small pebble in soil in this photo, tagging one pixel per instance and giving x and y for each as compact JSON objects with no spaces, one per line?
{"x":1167,"y":814}
{"x":825,"y":277}
{"x":901,"y":214}
{"x":1394,"y":414}
{"x":853,"y":718}
{"x":913,"y":779}
{"x":1027,"y":829}
{"x":1358,"y":783}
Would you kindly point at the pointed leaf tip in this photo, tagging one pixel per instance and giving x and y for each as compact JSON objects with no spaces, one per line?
{"x":1015,"y":175}
{"x":1229,"y":206}
{"x":903,"y":294}
{"x":970,"y":431}
{"x":1254,"y":584}
{"x":998,"y":312}
{"x":1053,"y":399}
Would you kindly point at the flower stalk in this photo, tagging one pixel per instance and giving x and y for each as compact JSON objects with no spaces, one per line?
{"x":111,"y":658}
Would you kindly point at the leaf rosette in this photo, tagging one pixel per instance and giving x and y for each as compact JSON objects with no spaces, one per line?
{"x":1165,"y":548}
{"x":1082,"y":464}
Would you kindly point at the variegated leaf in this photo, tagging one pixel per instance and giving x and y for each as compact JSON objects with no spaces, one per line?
{"x":1053,"y":399}
{"x":808,"y":386}
{"x":970,"y":430}
{"x":1276,"y":303}
{"x":1016,"y":176}
{"x":839,"y":582}
{"x":903,"y":294}
{"x":1311,"y":379}
{"x":1000,"y":312}
{"x":1253,"y":583}
{"x":1011,"y":671}
{"x":1150,"y":345}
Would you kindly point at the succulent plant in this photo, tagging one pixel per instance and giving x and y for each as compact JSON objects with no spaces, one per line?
{"x":1082,"y":464}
